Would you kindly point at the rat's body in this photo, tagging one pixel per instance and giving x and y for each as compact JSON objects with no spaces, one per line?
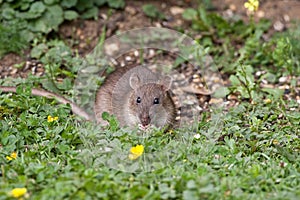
{"x":136,"y":96}
{"x":120,"y":92}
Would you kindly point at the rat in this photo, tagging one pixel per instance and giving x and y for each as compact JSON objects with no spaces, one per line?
{"x":135,"y":95}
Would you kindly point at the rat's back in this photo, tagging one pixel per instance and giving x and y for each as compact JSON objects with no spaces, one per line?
{"x":113,"y":96}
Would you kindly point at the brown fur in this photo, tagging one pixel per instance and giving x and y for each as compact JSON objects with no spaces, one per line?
{"x":117,"y":97}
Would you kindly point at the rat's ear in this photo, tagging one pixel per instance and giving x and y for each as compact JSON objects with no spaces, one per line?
{"x":134,"y":81}
{"x":166,"y":82}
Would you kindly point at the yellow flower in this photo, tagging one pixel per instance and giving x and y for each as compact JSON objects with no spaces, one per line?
{"x":136,"y":152}
{"x":275,"y":142}
{"x":12,"y":156}
{"x":51,"y":119}
{"x":267,"y":101}
{"x":252,"y":5}
{"x":9,"y":158}
{"x":18,"y":192}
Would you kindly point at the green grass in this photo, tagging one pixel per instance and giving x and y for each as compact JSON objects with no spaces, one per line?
{"x":64,"y":159}
{"x":253,"y":155}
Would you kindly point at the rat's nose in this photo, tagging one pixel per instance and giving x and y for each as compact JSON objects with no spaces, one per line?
{"x":145,"y":120}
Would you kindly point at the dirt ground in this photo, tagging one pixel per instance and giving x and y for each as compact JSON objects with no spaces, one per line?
{"x":283,"y":11}
{"x":85,"y":33}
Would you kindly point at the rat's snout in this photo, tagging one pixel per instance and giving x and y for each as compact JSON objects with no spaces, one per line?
{"x":145,"y":119}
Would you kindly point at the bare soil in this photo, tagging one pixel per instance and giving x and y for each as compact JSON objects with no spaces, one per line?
{"x":83,"y":35}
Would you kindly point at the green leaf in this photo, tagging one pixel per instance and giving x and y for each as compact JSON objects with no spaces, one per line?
{"x":49,"y":21}
{"x":37,"y":7}
{"x":203,"y":16}
{"x":179,"y":60}
{"x":151,"y":11}
{"x":68,"y":3}
{"x":221,"y":92}
{"x":105,"y":116}
{"x":190,"y":195}
{"x":70,"y":15}
{"x":66,"y":84}
{"x":8,"y":13}
{"x":54,"y":16}
{"x":116,"y":3}
{"x":191,"y":184}
{"x":275,"y":92}
{"x":50,"y":2}
{"x":27,"y":35}
{"x":234,"y":80}
{"x":25,"y":5}
{"x":50,"y":86}
{"x":57,"y":54}
{"x":208,"y":189}
{"x":38,"y":25}
{"x":38,"y":51}
{"x":248,"y":69}
{"x":100,"y":2}
{"x":83,"y":5}
{"x":190,"y":14}
{"x":36,"y":10}
{"x":200,"y":25}
{"x":90,"y":13}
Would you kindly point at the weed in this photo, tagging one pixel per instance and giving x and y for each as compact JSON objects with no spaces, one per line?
{"x":11,"y":40}
{"x":151,"y":11}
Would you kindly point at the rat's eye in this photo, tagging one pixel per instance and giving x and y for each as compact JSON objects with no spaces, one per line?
{"x":139,"y":100}
{"x":156,"y":101}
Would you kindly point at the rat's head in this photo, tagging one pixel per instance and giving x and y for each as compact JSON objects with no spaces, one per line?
{"x":148,"y":101}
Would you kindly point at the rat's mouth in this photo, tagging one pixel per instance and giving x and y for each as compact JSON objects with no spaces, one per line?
{"x":144,"y":127}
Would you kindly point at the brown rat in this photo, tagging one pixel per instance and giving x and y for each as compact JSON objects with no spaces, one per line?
{"x":136,"y":96}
